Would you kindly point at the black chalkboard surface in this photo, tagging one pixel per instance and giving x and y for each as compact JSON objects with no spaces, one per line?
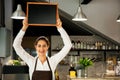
{"x":42,"y":14}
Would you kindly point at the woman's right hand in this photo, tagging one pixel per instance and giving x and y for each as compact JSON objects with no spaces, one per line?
{"x":59,"y":23}
{"x":25,"y":24}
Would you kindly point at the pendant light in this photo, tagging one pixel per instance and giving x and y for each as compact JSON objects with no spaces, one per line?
{"x":79,"y":16}
{"x":118,"y":19}
{"x":18,"y":14}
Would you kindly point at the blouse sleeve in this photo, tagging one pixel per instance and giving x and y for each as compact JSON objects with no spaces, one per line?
{"x":64,"y":51}
{"x":19,"y":49}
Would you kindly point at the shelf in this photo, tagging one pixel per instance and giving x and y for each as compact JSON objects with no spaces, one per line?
{"x":89,"y":50}
{"x":97,"y":50}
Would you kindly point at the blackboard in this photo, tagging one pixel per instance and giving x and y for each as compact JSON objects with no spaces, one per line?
{"x":42,"y":14}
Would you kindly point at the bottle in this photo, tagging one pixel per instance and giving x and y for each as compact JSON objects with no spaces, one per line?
{"x":87,"y":45}
{"x":82,"y":45}
{"x":73,"y":44}
{"x":96,"y":45}
{"x":116,"y":47}
{"x":103,"y":46}
{"x":118,"y":59}
{"x":117,"y":67}
{"x":72,"y":71}
{"x":56,"y":75}
{"x":78,"y":44}
{"x":107,"y":45}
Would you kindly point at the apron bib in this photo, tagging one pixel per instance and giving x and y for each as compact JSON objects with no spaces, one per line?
{"x":42,"y":75}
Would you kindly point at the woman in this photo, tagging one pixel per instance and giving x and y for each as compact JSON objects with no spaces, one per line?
{"x":42,"y":67}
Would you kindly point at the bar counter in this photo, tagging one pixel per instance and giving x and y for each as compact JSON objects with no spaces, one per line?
{"x":94,"y":78}
{"x":10,"y":72}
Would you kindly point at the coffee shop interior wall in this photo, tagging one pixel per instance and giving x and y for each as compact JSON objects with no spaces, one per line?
{"x":101,"y":14}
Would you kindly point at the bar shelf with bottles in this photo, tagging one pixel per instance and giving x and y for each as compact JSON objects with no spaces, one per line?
{"x":92,"y":46}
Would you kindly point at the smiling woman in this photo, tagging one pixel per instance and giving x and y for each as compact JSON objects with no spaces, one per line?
{"x":42,"y":66}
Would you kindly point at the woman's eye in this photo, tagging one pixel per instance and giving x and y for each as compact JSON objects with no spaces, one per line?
{"x":44,"y":45}
{"x":39,"y":45}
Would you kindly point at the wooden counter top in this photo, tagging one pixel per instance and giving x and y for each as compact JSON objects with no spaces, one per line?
{"x":94,"y":78}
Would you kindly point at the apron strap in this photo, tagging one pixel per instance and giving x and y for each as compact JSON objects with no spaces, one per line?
{"x":49,"y":67}
{"x":35,"y":64}
{"x":49,"y":64}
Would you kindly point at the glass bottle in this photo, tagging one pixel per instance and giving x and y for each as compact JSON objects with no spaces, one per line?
{"x":78,"y":44}
{"x":56,"y":75}
{"x":72,"y":71}
{"x":85,"y":72}
{"x":103,"y":46}
{"x":82,"y":45}
{"x":87,"y":45}
{"x":73,"y":44}
{"x":116,"y":47}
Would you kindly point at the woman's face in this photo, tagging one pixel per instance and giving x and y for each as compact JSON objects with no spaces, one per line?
{"x":41,"y":48}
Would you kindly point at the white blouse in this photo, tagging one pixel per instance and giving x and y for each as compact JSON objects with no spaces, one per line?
{"x":53,"y":60}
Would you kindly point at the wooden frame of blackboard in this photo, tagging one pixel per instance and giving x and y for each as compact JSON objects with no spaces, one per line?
{"x":37,"y":16}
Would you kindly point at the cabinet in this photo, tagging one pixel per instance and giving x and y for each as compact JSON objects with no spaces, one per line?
{"x":5,"y":42}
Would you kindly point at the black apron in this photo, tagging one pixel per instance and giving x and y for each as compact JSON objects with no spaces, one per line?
{"x":42,"y":75}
